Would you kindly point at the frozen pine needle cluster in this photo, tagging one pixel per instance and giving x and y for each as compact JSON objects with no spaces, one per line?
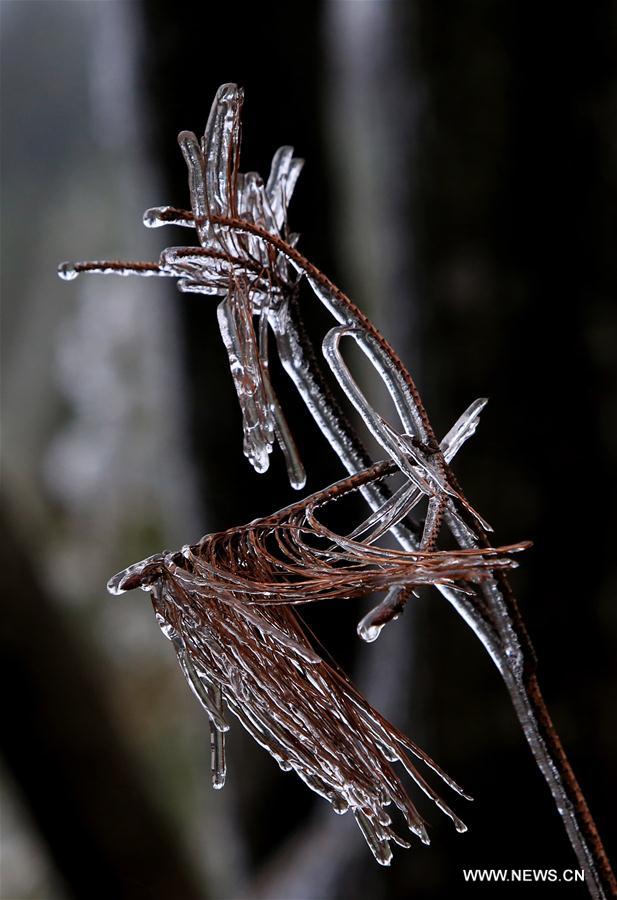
{"x":227,"y":602}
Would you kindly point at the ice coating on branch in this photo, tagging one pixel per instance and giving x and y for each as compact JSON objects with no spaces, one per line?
{"x":69,"y":271}
{"x":231,"y":264}
{"x":226,"y":603}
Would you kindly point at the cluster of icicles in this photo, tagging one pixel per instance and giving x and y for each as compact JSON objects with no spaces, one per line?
{"x":227,"y":602}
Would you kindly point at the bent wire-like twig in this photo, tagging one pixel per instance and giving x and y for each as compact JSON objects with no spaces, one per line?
{"x":247,"y":255}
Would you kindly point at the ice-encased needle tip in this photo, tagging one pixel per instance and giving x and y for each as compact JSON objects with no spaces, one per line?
{"x":67,"y":271}
{"x":152,"y":218}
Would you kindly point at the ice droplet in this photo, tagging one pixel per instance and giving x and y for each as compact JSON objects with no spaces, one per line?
{"x":67,"y":271}
{"x":151,"y":218}
{"x":367,"y":631}
{"x":340,"y":805}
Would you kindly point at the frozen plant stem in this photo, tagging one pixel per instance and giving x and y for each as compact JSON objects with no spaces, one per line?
{"x":226,"y":603}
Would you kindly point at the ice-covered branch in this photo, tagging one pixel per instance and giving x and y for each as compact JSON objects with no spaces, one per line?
{"x":227,"y":602}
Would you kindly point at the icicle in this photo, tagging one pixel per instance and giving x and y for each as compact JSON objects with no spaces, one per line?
{"x":217,"y":744}
{"x":194,"y":163}
{"x":379,"y":847}
{"x":201,"y":692}
{"x":239,"y":338}
{"x":464,"y":428}
{"x":295,"y":469}
{"x":281,"y":182}
{"x":220,"y":148}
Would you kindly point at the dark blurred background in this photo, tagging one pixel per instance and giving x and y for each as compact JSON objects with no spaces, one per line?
{"x":461,"y":185}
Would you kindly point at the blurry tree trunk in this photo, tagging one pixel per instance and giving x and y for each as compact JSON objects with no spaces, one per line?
{"x":60,"y":744}
{"x":515,"y":200}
